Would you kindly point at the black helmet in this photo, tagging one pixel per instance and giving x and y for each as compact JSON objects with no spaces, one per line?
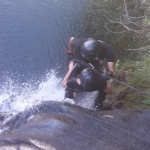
{"x":88,"y":79}
{"x":90,"y":49}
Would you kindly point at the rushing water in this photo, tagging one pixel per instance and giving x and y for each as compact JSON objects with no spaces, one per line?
{"x":34,"y":35}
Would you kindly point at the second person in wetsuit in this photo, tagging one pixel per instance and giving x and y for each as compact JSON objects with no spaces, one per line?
{"x":88,"y":80}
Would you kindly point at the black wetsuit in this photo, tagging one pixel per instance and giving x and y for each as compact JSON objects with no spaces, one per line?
{"x":100,"y":83}
{"x":107,"y":52}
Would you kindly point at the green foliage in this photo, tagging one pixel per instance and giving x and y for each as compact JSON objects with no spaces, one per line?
{"x":146,"y":21}
{"x":136,"y":105}
{"x":117,"y":66}
{"x":124,"y":25}
{"x":140,"y":77}
{"x":129,"y":64}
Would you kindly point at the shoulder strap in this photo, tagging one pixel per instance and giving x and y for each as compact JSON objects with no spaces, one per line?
{"x":88,"y":65}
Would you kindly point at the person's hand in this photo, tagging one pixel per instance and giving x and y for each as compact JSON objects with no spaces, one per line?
{"x":71,"y":66}
{"x":69,"y":52}
{"x":103,"y":70}
{"x":110,"y":74}
{"x":106,"y":75}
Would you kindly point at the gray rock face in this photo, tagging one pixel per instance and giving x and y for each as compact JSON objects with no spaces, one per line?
{"x":58,"y":126}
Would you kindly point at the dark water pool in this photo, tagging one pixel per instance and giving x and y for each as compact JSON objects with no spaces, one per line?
{"x":34,"y":35}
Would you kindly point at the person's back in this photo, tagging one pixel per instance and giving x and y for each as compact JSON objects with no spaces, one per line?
{"x":92,"y":51}
{"x":88,"y":81}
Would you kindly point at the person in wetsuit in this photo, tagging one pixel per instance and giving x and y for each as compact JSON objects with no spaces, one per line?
{"x":90,"y":51}
{"x":88,"y":80}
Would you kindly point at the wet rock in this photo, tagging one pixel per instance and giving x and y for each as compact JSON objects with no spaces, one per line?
{"x":58,"y":126}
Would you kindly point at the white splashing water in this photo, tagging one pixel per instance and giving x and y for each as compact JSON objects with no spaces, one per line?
{"x":16,"y":98}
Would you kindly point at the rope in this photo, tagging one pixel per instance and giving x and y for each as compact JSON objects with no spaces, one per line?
{"x":131,"y":87}
{"x":138,"y":102}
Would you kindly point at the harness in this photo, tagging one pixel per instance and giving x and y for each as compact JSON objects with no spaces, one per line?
{"x":88,"y":65}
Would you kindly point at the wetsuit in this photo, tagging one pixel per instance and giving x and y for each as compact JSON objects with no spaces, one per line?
{"x":107,"y":52}
{"x":99,"y":83}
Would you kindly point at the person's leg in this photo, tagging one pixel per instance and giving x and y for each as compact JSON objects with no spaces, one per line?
{"x":99,"y":100}
{"x":69,"y":92}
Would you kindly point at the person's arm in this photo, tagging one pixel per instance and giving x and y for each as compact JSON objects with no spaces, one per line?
{"x":109,"y":54}
{"x":70,"y":51}
{"x":111,"y":67}
{"x":108,"y":88}
{"x":70,"y":69}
